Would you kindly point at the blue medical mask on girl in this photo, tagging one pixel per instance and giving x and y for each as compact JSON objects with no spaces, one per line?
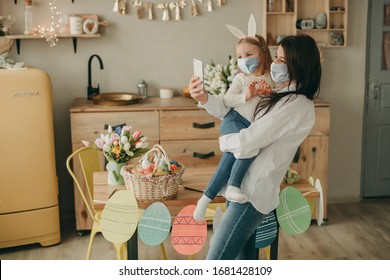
{"x":279,"y":72}
{"x":249,"y":64}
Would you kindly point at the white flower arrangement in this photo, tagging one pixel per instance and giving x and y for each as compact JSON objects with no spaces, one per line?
{"x":218,"y":77}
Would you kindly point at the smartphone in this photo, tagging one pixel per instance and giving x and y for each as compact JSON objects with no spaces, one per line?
{"x":198,"y":69}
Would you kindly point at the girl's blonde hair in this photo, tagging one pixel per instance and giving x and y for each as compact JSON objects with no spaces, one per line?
{"x":265,"y":54}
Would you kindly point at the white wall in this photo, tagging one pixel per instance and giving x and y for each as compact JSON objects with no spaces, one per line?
{"x":161,"y":53}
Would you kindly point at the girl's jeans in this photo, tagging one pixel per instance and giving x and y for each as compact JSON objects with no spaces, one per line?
{"x":235,"y":237}
{"x":230,"y":170}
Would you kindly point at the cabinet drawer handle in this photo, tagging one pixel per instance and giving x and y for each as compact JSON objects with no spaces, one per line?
{"x":203,"y":125}
{"x":114,"y":127}
{"x":297,"y":155}
{"x":203,"y":156}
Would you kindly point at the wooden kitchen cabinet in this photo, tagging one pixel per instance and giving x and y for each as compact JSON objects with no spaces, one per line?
{"x":312,"y":157}
{"x":280,"y":18}
{"x":188,"y":134}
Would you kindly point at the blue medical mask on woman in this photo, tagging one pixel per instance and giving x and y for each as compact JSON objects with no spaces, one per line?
{"x":248,"y":64}
{"x":279,"y":72}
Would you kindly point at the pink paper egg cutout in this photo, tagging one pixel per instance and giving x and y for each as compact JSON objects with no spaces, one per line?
{"x":188,"y":236}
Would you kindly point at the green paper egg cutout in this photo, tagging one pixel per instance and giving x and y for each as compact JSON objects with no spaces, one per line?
{"x":293,"y":211}
{"x":155,"y":224}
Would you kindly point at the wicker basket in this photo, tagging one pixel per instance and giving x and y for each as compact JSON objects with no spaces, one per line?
{"x":153,"y":187}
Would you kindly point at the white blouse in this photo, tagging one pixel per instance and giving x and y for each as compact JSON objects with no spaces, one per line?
{"x":236,"y":94}
{"x":273,"y":138}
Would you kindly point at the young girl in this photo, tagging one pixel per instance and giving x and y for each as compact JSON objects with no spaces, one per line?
{"x":282,"y":121}
{"x":254,"y":60}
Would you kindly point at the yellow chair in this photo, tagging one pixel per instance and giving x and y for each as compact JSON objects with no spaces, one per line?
{"x":90,"y":162}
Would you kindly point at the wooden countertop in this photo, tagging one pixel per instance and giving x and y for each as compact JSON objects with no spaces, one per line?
{"x":149,"y":104}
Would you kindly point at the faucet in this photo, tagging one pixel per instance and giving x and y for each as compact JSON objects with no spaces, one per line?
{"x":91,"y":90}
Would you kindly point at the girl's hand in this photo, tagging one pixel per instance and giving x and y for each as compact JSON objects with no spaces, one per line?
{"x":264,"y":88}
{"x":252,"y":92}
{"x":197,"y":90}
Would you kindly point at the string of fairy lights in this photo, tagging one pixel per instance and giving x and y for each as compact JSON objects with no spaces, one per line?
{"x":56,"y":26}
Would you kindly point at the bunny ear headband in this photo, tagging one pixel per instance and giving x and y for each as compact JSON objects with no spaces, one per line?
{"x":251,"y":29}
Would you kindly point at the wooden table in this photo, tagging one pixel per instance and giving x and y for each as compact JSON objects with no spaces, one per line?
{"x":194,"y":182}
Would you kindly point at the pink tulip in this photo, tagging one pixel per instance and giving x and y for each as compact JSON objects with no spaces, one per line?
{"x":85,"y":143}
{"x":99,"y":143}
{"x":136,"y":134}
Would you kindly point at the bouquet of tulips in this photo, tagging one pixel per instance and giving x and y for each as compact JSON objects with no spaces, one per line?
{"x":122,"y":144}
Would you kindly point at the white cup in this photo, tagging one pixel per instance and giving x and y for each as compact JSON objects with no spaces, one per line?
{"x":76,"y":25}
{"x":166,"y":93}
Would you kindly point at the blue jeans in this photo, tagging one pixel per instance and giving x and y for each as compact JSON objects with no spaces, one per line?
{"x":230,"y":170}
{"x":235,"y":237}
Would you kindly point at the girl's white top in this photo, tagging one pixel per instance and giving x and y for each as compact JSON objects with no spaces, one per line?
{"x":236,"y":94}
{"x":273,"y":138}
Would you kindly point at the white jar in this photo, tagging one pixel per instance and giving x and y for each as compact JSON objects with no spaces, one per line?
{"x":166,"y":93}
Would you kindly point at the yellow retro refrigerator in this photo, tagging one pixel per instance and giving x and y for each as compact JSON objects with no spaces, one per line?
{"x":28,"y":180}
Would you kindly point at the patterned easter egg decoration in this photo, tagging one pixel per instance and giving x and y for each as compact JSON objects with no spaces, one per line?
{"x":321,"y":21}
{"x":188,"y":236}
{"x":119,"y":217}
{"x":155,"y":224}
{"x":267,"y":231}
{"x":293,"y":212}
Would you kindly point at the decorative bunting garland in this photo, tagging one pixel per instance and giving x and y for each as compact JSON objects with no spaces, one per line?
{"x":210,"y":6}
{"x":149,"y":6}
{"x":120,"y":6}
{"x":194,"y":9}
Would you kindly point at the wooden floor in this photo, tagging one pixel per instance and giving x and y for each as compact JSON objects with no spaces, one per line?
{"x":354,"y":231}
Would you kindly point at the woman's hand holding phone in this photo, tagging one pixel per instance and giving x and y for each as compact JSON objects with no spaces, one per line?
{"x":197,"y":91}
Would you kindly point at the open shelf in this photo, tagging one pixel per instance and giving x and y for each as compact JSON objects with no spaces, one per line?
{"x":282,"y":16}
{"x":19,"y":37}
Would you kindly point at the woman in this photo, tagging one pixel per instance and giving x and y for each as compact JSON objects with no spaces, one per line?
{"x":254,"y":61}
{"x":281,"y":123}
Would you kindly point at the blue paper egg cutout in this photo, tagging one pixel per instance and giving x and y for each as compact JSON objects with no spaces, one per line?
{"x":155,"y":224}
{"x":267,"y":231}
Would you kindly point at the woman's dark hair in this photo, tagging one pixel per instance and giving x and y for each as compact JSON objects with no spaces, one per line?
{"x":303,"y":62}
